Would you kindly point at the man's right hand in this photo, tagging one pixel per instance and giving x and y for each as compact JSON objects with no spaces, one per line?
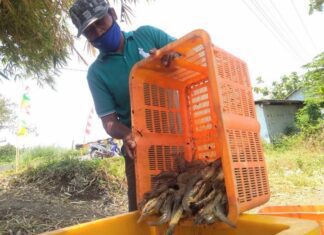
{"x":130,"y":145}
{"x":117,"y":130}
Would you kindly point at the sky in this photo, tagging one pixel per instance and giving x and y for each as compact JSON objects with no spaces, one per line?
{"x":273,"y":37}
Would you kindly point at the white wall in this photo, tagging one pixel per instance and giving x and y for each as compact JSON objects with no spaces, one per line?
{"x":278,"y":118}
{"x":262,"y":121}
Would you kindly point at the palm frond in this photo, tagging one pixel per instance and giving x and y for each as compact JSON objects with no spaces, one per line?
{"x":7,"y":5}
{"x":126,"y":12}
{"x":35,"y":41}
{"x":90,"y":49}
{"x":80,"y":56}
{"x":3,"y":75}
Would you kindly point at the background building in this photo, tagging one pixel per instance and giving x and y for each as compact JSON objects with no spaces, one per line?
{"x":277,"y":117}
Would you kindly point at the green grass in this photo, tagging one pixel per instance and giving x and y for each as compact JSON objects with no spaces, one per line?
{"x":296,"y":161}
{"x":33,"y":156}
{"x":40,"y":155}
{"x":4,"y":160}
{"x":47,"y":156}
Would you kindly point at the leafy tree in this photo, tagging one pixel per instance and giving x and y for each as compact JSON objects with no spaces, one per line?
{"x":314,"y":79}
{"x":7,"y":116}
{"x":35,"y":40}
{"x":287,"y":85}
{"x":263,"y":90}
{"x":278,"y":90}
{"x":310,"y":117}
{"x":315,"y":5}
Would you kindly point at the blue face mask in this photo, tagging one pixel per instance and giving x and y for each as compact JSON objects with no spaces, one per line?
{"x":110,"y":40}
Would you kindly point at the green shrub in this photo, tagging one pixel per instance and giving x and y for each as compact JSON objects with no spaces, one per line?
{"x":114,"y":166}
{"x":310,"y":119}
{"x":84,"y":179}
{"x":64,"y":176}
{"x":7,"y":153}
{"x":285,"y":143}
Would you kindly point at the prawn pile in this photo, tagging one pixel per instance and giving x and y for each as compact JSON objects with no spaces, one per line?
{"x":194,"y":190}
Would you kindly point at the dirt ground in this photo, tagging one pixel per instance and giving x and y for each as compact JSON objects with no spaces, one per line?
{"x":280,"y":196}
{"x":26,"y":209}
{"x":297,"y":196}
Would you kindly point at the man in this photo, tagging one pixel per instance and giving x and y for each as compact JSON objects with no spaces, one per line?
{"x":108,"y":75}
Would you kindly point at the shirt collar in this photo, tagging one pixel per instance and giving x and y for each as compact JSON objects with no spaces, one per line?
{"x":127,"y":36}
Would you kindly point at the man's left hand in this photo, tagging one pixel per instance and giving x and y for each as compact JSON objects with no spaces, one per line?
{"x":166,"y":59}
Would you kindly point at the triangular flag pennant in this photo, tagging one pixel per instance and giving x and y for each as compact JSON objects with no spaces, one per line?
{"x":24,"y":110}
{"x":22,"y":131}
{"x":25,"y":101}
{"x":89,"y":122}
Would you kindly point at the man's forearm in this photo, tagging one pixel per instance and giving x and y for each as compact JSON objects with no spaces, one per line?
{"x":114,"y":127}
{"x":117,"y":130}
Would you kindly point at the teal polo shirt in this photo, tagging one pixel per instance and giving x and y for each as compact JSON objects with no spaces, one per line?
{"x":108,"y":75}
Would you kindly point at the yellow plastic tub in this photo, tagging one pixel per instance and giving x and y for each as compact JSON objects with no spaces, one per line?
{"x":309,"y":212}
{"x":247,"y":225}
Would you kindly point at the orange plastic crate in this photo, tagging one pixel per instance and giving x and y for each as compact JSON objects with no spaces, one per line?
{"x":201,"y":107}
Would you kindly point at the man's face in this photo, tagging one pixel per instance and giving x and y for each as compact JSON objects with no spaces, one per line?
{"x":97,"y":28}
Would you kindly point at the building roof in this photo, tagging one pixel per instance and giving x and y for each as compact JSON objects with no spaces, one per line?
{"x":278,"y":102}
{"x":293,"y":92}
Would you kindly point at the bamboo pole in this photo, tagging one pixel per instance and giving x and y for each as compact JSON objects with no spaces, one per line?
{"x":17,"y":158}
